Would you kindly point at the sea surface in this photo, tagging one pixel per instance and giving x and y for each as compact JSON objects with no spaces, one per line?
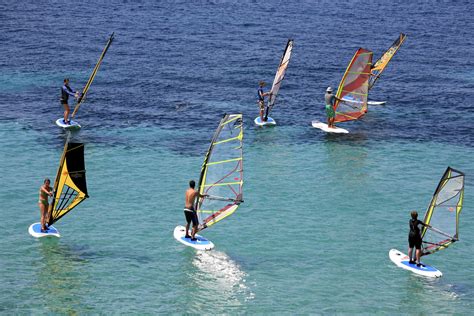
{"x":321,"y":211}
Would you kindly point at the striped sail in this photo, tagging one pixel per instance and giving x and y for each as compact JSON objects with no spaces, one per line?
{"x":222,"y":173}
{"x":70,"y":187}
{"x":443,"y":212}
{"x":383,"y":61}
{"x":354,"y":88}
{"x":92,"y":76}
{"x":280,"y":74}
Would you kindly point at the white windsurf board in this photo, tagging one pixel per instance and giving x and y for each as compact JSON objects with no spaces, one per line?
{"x":72,"y":125}
{"x":269,"y":122}
{"x":200,"y":243}
{"x":324,"y":127}
{"x":35,"y":231}
{"x":402,"y":261}
{"x":346,"y":99}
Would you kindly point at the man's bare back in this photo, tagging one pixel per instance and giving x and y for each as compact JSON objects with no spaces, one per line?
{"x":190,"y":197}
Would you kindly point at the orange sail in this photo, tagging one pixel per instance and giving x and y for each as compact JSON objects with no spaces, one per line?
{"x":354,"y":88}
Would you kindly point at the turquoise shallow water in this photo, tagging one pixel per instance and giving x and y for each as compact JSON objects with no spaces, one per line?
{"x":311,"y":237}
{"x":320,"y":212}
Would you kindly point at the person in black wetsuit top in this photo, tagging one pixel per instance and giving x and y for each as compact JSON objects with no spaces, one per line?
{"x":414,"y":237}
{"x":261,"y":99}
{"x":66,"y":91}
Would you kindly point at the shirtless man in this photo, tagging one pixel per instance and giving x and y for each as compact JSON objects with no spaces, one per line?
{"x":44,"y":191}
{"x":190,"y":210}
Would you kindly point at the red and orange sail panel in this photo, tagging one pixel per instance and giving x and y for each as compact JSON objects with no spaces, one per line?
{"x":354,"y":88}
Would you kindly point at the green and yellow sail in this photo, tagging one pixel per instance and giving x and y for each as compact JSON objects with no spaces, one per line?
{"x":222,"y":173}
{"x":443,"y":212}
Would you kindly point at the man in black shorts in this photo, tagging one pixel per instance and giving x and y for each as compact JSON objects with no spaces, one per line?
{"x":414,"y":238}
{"x":190,"y":210}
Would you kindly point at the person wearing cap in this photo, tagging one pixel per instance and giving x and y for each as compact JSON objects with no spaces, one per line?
{"x":414,"y":238}
{"x":261,"y":99}
{"x":66,"y":91}
{"x":330,"y":101}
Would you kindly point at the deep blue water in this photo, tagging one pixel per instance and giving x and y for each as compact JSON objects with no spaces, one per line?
{"x":320,"y":212}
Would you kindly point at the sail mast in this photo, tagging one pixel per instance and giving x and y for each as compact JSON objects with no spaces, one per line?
{"x":92,"y":76}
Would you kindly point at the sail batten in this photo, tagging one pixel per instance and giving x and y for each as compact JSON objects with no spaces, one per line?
{"x":222,"y":173}
{"x":70,"y":187}
{"x":280,"y":74}
{"x":382,"y":62}
{"x":92,"y":76}
{"x":443,"y":212}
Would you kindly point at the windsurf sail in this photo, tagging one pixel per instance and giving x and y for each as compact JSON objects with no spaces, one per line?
{"x":443,"y":213}
{"x":70,"y":187}
{"x":92,"y":77}
{"x":383,"y":61}
{"x":280,"y":74}
{"x":222,"y":173}
{"x":354,"y":88}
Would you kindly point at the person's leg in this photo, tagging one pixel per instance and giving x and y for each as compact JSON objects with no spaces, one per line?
{"x":195,"y":226}
{"x":418,"y":252}
{"x":66,"y":112}
{"x":187,"y":224}
{"x":418,"y":255}
{"x":410,"y":252}
{"x":43,"y":216}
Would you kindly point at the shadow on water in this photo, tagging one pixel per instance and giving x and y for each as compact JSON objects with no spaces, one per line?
{"x":417,"y":287}
{"x":61,"y":278}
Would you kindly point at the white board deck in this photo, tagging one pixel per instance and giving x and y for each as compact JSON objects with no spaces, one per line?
{"x":73,"y":125}
{"x":200,"y":244}
{"x":368,"y":102}
{"x":402,"y":261}
{"x":324,"y":127}
{"x":35,"y":231}
{"x":269,"y":122}
{"x":376,"y":102}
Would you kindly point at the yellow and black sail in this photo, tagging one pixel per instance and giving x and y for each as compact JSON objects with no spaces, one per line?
{"x":70,"y":186}
{"x":92,"y":77}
